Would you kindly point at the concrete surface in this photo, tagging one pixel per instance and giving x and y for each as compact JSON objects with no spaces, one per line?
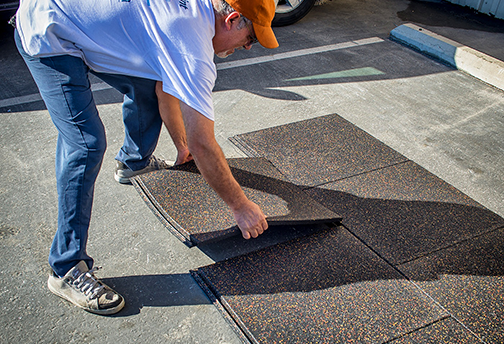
{"x":445,"y":120}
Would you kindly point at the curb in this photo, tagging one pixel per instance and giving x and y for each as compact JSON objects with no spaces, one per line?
{"x":461,"y":57}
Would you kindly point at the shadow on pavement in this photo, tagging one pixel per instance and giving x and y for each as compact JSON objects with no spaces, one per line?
{"x":156,"y":291}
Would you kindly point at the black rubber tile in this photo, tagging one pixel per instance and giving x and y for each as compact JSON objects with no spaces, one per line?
{"x":324,"y":288}
{"x":404,"y":212}
{"x":444,"y":331}
{"x":237,"y":246}
{"x":468,"y":280}
{"x":318,"y":150}
{"x":188,"y":206}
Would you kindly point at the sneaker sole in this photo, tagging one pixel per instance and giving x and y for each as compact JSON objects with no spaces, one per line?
{"x":108,"y":311}
{"x":122,"y":180}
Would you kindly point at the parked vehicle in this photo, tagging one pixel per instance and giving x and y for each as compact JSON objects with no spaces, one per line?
{"x":290,"y":11}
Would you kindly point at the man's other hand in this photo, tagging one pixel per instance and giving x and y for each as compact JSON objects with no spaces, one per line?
{"x":183,"y":156}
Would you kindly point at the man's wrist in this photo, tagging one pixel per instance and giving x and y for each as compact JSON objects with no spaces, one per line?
{"x":241,"y":203}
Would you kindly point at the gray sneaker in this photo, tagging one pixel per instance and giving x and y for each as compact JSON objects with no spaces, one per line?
{"x":123,"y":173}
{"x":83,"y":289}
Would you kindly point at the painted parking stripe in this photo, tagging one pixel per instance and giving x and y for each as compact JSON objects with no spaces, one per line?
{"x":297,"y":53}
{"x":224,"y":65}
{"x":349,"y":73}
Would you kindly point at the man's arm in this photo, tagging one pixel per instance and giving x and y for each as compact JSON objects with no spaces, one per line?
{"x":215,"y":169}
{"x":192,"y":132}
{"x":169,"y":108}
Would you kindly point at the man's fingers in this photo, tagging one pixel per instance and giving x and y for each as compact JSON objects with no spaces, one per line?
{"x":252,"y":232}
{"x":265,"y":224}
{"x":246,"y":235}
{"x":259,"y":229}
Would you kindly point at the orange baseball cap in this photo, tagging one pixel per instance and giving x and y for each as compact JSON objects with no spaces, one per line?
{"x":260,"y":13}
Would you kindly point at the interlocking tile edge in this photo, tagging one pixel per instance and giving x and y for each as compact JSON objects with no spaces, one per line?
{"x":239,"y":328}
{"x":165,"y":219}
{"x":244,"y":146}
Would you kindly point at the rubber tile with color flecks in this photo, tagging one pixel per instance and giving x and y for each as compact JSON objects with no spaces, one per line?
{"x":194,"y":212}
{"x":324,"y":288}
{"x":404,"y":212}
{"x":468,"y":281}
{"x":318,"y":150}
{"x":444,"y":331}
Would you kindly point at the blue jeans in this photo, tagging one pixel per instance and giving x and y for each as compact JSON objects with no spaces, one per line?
{"x":63,"y":82}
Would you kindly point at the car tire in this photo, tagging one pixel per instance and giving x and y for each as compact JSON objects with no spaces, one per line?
{"x":290,"y":11}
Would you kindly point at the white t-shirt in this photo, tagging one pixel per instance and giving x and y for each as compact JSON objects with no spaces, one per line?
{"x":166,"y":40}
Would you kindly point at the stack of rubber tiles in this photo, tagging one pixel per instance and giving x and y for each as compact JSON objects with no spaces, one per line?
{"x":414,"y":259}
{"x":194,"y":212}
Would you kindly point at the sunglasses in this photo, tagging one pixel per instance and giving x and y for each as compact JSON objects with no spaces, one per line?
{"x":252,"y":39}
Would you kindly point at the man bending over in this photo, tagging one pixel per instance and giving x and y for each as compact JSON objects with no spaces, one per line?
{"x":146,"y":49}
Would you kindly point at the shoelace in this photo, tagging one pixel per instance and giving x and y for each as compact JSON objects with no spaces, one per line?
{"x":88,"y":283}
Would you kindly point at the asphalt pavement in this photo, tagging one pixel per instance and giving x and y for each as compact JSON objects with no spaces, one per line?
{"x":338,"y":59}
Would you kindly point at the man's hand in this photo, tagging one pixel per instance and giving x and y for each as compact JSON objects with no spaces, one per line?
{"x":183,"y":156}
{"x":250,"y":220}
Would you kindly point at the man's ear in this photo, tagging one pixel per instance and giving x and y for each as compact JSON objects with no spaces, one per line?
{"x":232,"y":18}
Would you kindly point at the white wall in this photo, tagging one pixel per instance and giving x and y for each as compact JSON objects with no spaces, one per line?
{"x":491,"y":7}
